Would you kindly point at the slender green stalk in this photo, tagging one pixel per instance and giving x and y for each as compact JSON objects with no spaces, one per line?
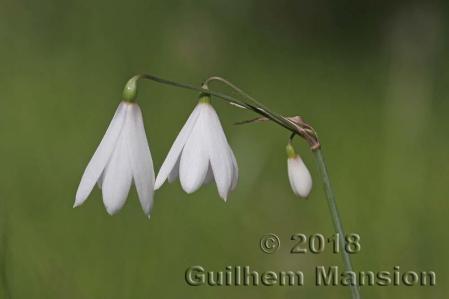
{"x":130,"y":94}
{"x":3,"y":245}
{"x":246,"y":95}
{"x":330,"y":196}
{"x":336,"y":219}
{"x":296,"y":128}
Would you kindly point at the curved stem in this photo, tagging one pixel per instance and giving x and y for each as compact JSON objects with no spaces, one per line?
{"x":300,"y":127}
{"x":3,"y":248}
{"x":233,"y":86}
{"x":130,"y":94}
{"x":336,"y":219}
{"x":295,"y":127}
{"x":274,"y":116}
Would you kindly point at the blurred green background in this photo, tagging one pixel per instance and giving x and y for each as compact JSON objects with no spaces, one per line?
{"x":372,"y":78}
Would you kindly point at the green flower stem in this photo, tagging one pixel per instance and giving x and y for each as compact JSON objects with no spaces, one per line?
{"x":262,"y":109}
{"x":335,"y":215}
{"x":130,"y":95}
{"x":307,"y":132}
{"x":330,"y":196}
{"x":4,"y":288}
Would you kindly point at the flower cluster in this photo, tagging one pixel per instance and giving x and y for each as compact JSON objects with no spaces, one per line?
{"x":199,"y":155}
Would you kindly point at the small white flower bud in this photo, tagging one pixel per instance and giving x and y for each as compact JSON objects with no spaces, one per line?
{"x":298,"y":174}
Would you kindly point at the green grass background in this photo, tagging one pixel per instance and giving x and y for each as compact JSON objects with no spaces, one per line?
{"x":371,"y":77}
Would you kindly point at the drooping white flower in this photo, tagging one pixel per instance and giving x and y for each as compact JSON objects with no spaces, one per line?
{"x":298,"y":174}
{"x":123,"y":156}
{"x":201,"y":154}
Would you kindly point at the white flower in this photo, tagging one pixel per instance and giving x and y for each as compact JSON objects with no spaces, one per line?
{"x":201,"y":154}
{"x":298,"y":174}
{"x":122,"y":156}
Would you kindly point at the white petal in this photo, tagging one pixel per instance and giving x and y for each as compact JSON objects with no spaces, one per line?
{"x":100,"y":180}
{"x":174,"y":173}
{"x":117,"y":176}
{"x":299,"y":176}
{"x":220,"y":156}
{"x":235,"y":172}
{"x":194,"y":158}
{"x":101,"y":156}
{"x":209,"y":175}
{"x":175,"y":151}
{"x":140,"y":158}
